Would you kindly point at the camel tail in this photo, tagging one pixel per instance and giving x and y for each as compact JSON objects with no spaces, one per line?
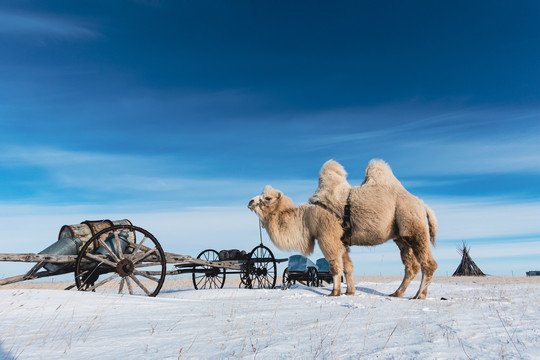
{"x":432,"y":221}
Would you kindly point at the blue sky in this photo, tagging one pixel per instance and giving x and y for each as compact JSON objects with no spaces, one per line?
{"x":176,"y":113}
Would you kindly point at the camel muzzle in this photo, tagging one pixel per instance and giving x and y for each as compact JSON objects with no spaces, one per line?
{"x":253,"y":203}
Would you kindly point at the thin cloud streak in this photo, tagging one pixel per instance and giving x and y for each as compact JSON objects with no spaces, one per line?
{"x":473,"y":218}
{"x":50,"y":157}
{"x":442,"y":143}
{"x":521,"y":155}
{"x":12,"y":23}
{"x":90,"y":170}
{"x":449,"y":251}
{"x":394,"y":129}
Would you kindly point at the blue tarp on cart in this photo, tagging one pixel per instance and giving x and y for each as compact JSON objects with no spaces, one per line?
{"x":322,"y":265}
{"x":300,"y":263}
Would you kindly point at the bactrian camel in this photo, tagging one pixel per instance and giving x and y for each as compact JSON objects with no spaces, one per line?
{"x":339,"y":215}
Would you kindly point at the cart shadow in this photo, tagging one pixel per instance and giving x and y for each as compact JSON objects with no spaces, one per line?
{"x":175,"y":291}
{"x":5,"y":355}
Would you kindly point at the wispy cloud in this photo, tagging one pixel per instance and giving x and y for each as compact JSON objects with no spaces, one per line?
{"x":391,"y":124}
{"x":459,"y":217}
{"x":473,"y":217}
{"x":485,"y":250}
{"x":433,"y":141}
{"x":45,"y":156}
{"x":510,"y":248}
{"x":25,"y":23}
{"x":483,"y":156}
{"x":145,"y":177}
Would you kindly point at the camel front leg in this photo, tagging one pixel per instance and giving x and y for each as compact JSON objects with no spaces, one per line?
{"x":333,"y":251}
{"x":348,"y":268}
{"x":336,"y":268}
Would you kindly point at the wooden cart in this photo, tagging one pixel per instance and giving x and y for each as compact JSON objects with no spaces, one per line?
{"x":130,"y":259}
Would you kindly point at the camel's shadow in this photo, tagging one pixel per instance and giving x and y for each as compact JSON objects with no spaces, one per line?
{"x":327,"y":291}
{"x":315,"y":290}
{"x":370,"y":291}
{"x":358,"y":289}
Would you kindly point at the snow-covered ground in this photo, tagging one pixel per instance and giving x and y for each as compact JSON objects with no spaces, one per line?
{"x":462,"y":318}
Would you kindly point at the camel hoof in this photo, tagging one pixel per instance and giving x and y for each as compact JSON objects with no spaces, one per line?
{"x":350,"y":293}
{"x":419,"y":297}
{"x":335,"y":293}
{"x":396,"y":294}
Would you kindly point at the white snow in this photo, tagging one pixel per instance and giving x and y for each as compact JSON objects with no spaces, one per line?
{"x":480,"y":319}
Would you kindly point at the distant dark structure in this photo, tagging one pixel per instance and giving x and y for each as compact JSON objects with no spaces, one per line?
{"x":533,"y":273}
{"x":467,"y":267}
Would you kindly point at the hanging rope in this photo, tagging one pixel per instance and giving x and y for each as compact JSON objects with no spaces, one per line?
{"x":260,"y":231}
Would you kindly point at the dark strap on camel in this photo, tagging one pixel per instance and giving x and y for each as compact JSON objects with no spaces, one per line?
{"x":345,"y":221}
{"x":346,"y":224}
{"x":318,"y":203}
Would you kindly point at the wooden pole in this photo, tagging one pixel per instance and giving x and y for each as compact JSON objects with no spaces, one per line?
{"x":37,"y":275}
{"x":45,"y":258}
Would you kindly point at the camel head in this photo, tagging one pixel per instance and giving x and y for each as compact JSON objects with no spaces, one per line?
{"x":267,"y":200}
{"x":270,"y":201}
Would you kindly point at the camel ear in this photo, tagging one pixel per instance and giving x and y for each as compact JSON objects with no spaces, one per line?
{"x":279,"y":195}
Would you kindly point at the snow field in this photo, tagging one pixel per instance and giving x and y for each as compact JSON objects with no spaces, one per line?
{"x":479,"y":320}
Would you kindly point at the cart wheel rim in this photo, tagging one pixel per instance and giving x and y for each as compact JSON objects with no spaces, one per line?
{"x":286,"y":280}
{"x":127,"y":266}
{"x":261,"y":268}
{"x":206,"y":276}
{"x":313,"y":277}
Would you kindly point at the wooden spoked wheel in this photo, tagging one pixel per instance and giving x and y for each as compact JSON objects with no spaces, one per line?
{"x":313,"y":277}
{"x":261,"y":269}
{"x":206,"y":276}
{"x":287,"y":281}
{"x":244,"y":278}
{"x":125,"y":259}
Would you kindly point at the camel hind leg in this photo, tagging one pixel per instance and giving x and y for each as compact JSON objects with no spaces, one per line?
{"x":412,"y":267}
{"x":422,"y":251}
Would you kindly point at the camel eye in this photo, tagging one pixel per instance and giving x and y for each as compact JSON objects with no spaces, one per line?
{"x":268,"y":198}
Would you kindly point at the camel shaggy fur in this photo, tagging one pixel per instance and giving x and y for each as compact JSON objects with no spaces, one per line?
{"x":380,"y":209}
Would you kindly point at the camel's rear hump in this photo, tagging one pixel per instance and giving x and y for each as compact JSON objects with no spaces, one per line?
{"x":378,"y":172}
